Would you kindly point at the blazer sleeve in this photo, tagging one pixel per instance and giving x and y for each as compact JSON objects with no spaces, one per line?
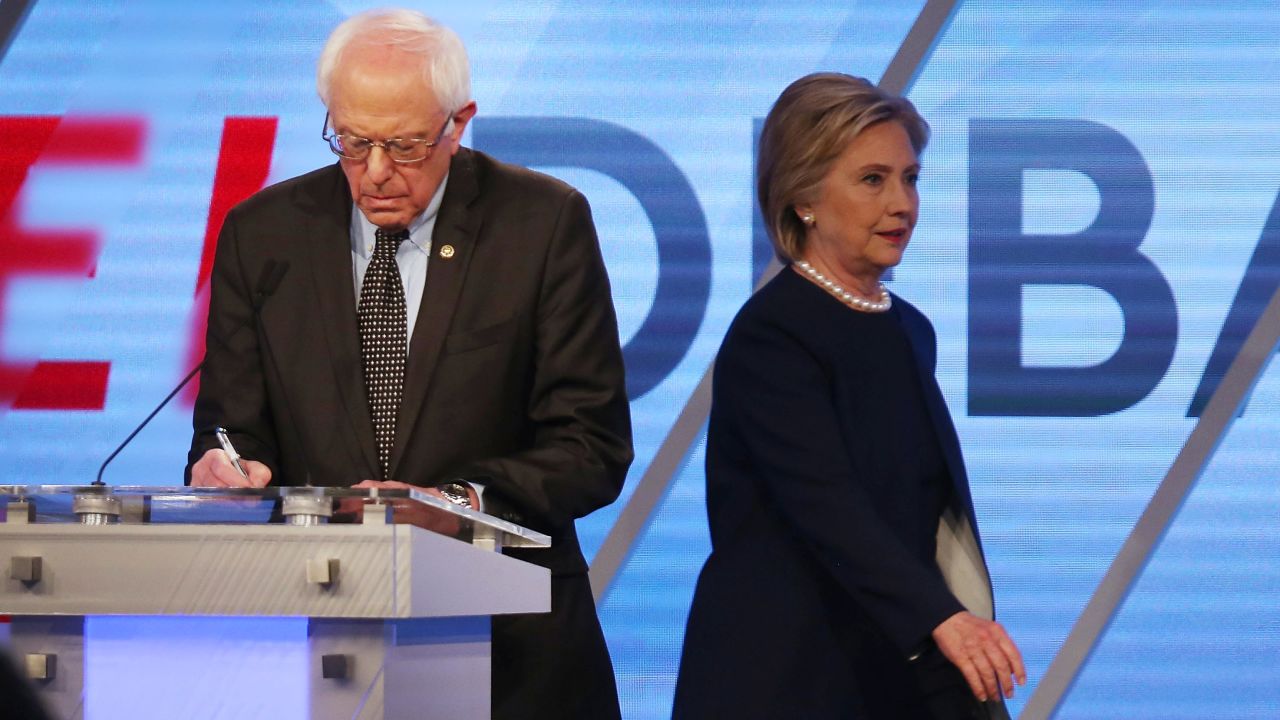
{"x":772,"y":391}
{"x":233,"y":389}
{"x":577,"y":410}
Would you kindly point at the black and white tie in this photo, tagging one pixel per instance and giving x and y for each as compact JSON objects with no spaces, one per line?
{"x":383,"y":340}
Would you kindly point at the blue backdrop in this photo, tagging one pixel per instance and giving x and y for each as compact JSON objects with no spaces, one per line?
{"x":1096,"y":237}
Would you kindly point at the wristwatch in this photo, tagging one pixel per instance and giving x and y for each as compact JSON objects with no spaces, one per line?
{"x":457,"y":493}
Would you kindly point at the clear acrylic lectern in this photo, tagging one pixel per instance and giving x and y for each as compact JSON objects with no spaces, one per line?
{"x":396,"y":586}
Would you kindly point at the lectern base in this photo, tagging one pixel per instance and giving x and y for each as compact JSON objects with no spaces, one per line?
{"x":260,"y":667}
{"x":431,"y":668}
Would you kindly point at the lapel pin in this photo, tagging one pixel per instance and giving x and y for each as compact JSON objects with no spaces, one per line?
{"x":446,"y":251}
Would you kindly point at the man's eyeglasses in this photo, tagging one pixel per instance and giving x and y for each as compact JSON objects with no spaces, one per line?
{"x":401,"y":150}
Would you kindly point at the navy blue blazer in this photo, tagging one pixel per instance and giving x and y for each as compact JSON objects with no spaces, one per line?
{"x":811,"y":602}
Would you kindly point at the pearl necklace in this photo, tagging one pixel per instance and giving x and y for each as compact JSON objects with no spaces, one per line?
{"x":857,"y":303}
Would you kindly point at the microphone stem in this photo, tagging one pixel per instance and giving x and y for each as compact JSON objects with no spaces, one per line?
{"x":155,"y":412}
{"x":268,"y":280}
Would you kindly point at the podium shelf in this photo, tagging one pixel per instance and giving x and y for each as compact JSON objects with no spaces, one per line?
{"x":295,"y":506}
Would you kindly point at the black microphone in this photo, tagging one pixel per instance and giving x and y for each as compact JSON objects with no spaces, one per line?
{"x":268,"y":280}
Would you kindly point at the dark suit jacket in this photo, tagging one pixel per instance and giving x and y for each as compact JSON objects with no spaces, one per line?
{"x":514,"y":374}
{"x":810,"y":603}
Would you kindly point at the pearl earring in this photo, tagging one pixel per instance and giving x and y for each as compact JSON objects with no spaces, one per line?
{"x":807,"y":219}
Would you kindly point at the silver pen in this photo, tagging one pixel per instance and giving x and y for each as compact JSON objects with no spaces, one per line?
{"x":230,"y":450}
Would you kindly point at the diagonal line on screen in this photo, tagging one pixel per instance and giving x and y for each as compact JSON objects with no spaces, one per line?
{"x":12,"y":14}
{"x":1220,"y":412}
{"x":662,"y":471}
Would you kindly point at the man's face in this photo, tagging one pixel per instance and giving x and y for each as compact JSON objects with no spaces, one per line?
{"x":381,"y":93}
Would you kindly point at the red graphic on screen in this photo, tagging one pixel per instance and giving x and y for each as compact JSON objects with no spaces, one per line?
{"x":55,"y":141}
{"x":244,"y":161}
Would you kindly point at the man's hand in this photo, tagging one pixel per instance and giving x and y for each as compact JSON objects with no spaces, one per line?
{"x":984,"y":653}
{"x":214,"y":469}
{"x":408,"y":512}
{"x":397,"y":485}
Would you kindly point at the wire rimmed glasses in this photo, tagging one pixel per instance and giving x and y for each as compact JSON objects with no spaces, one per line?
{"x":399,"y":150}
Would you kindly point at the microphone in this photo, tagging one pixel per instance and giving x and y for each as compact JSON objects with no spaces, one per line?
{"x":268,"y":280}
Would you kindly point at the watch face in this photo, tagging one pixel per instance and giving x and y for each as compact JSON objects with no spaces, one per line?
{"x":456,"y":494}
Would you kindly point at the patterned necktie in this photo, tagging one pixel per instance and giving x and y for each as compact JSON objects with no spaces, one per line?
{"x":383,"y":340}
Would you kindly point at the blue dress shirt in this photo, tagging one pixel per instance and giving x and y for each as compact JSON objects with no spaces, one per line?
{"x":412,"y":257}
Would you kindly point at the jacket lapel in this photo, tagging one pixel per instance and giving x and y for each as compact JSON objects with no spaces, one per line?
{"x":925,"y":353}
{"x":959,"y":547}
{"x":452,"y":246}
{"x":329,"y":234}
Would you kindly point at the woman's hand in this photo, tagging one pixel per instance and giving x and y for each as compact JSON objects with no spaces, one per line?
{"x":984,"y":653}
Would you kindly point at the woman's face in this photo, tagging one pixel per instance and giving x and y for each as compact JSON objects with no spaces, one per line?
{"x":866,"y":207}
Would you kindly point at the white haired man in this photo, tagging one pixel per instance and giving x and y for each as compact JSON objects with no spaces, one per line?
{"x":446,"y":323}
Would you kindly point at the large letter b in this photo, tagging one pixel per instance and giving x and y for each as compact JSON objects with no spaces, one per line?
{"x":1003,"y":259}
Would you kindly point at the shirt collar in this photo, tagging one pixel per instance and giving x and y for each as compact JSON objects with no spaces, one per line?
{"x":362,"y":231}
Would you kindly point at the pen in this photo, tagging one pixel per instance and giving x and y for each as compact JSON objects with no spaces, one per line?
{"x":230,"y":450}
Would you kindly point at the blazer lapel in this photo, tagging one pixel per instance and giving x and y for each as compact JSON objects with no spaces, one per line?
{"x":329,"y":232}
{"x":959,"y":547}
{"x":925,"y":354}
{"x":452,"y":247}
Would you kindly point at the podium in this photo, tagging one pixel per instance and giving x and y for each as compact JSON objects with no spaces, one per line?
{"x":395,"y":588}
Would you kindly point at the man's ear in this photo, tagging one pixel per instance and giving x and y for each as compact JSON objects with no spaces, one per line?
{"x":460,"y":120}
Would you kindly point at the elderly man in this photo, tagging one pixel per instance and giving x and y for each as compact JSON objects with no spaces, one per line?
{"x":445,"y":321}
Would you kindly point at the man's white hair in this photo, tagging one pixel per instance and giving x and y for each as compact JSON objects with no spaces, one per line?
{"x":445,"y":65}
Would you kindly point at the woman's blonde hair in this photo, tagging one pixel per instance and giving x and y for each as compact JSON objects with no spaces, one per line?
{"x":811,"y":123}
